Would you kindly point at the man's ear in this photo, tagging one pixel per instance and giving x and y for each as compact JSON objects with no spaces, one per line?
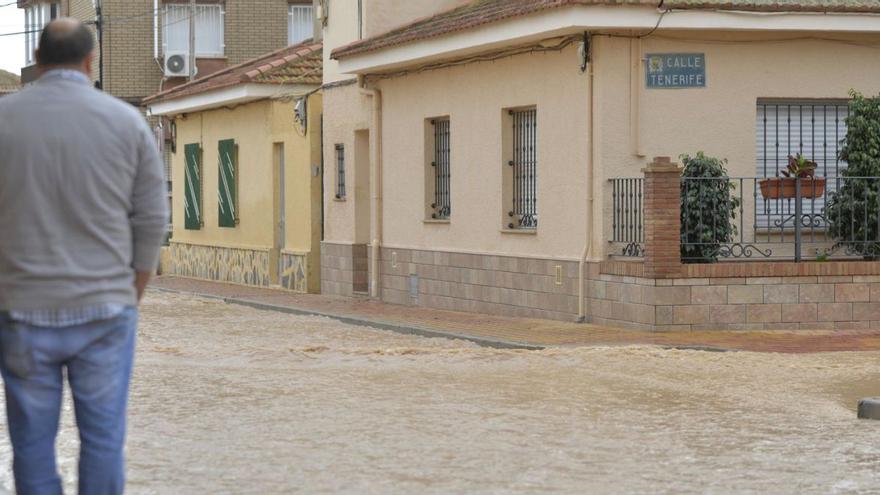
{"x":87,"y":63}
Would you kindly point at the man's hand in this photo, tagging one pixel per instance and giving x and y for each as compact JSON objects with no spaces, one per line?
{"x":141,"y":279}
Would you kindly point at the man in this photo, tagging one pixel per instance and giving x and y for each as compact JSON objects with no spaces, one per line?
{"x":82,"y":215}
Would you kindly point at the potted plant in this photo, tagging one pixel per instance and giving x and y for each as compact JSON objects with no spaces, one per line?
{"x":708,"y":206}
{"x":799,"y":169}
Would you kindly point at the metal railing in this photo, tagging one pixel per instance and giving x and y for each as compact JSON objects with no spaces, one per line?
{"x":628,"y":215}
{"x":766,"y":218}
{"x":782,"y":218}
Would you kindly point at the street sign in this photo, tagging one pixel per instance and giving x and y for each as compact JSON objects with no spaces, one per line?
{"x":675,"y":70}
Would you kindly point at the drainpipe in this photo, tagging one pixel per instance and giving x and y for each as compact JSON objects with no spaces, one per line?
{"x":375,"y":182}
{"x":591,"y":166}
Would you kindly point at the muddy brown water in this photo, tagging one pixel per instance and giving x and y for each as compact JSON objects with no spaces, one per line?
{"x":228,"y":399}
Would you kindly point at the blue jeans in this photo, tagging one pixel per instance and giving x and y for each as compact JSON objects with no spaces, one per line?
{"x":98,"y":357}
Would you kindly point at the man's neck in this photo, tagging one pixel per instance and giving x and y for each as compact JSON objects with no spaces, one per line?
{"x":65,"y":72}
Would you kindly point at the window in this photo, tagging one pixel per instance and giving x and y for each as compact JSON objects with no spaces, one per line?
{"x":35,"y":19}
{"x":439,"y":169}
{"x":340,"y":171}
{"x":209,"y":30}
{"x":192,"y":194}
{"x":523,"y":165}
{"x":300,"y":23}
{"x":788,"y":127}
{"x":227,"y":185}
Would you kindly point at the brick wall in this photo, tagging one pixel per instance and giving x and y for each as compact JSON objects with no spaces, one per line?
{"x":254,"y":27}
{"x":130,"y":72}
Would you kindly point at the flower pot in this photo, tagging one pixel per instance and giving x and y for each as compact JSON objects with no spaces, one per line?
{"x":786,"y":187}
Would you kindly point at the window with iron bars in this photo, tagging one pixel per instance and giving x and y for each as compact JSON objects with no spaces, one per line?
{"x":524,"y":169}
{"x":340,"y":171}
{"x":787,"y":127}
{"x":442,"y":206}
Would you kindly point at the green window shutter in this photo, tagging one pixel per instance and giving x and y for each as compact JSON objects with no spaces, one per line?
{"x":192,"y":191}
{"x":228,"y":183}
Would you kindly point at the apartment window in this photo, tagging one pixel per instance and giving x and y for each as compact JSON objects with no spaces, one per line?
{"x":340,"y":171}
{"x":209,"y":30}
{"x":35,"y":19}
{"x":523,"y":167}
{"x":813,"y":128}
{"x":440,"y":168}
{"x":227,"y":185}
{"x":300,"y":23}
{"x":192,"y":193}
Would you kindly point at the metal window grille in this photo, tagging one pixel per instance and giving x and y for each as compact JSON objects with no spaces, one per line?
{"x":524,"y":165}
{"x":813,"y":128}
{"x":340,"y":171}
{"x":299,"y":23}
{"x":209,"y":30}
{"x":442,"y":199}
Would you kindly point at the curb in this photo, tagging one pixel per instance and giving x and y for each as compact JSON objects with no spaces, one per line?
{"x":364,"y":322}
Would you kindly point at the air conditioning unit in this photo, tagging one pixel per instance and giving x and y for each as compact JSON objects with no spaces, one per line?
{"x":177,"y":64}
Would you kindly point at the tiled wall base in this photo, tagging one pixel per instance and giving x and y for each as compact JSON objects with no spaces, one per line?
{"x":343,"y":268}
{"x":750,"y":303}
{"x":294,"y":272}
{"x":241,"y":266}
{"x":499,"y":285}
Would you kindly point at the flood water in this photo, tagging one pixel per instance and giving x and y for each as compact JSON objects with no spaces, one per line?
{"x":228,"y":399}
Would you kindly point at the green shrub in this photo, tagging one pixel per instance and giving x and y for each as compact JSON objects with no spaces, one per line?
{"x":707,"y":208}
{"x":853,"y":211}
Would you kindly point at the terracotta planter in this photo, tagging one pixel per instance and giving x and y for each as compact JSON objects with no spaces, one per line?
{"x":785,"y":187}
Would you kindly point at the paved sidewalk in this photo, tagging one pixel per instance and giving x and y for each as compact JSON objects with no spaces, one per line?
{"x":502,"y":331}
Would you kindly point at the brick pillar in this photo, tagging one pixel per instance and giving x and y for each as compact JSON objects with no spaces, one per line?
{"x":662,"y":219}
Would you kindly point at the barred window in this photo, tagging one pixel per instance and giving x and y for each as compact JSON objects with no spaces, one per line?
{"x":442,"y":205}
{"x":340,"y":171}
{"x":814,"y":128}
{"x":524,"y":165}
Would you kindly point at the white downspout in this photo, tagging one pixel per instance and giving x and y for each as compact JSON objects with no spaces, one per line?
{"x":591,"y":166}
{"x":375,"y":182}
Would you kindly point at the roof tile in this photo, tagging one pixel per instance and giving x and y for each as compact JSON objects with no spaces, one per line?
{"x":296,"y":64}
{"x":481,"y":12}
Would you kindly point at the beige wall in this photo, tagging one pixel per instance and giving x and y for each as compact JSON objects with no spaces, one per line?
{"x":474,"y":97}
{"x":718,"y":119}
{"x":256,"y":127}
{"x":346,"y":111}
{"x":379,"y":16}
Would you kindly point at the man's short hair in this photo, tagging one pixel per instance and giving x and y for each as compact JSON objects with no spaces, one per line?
{"x":60,"y":45}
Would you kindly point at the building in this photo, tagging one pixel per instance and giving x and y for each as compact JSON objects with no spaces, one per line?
{"x":254,"y":217}
{"x":9,"y":82}
{"x":348,"y":142}
{"x":139,"y":35}
{"x":504,"y":129}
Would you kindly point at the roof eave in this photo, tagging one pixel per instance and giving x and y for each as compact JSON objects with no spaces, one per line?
{"x":224,"y":97}
{"x":579,"y":18}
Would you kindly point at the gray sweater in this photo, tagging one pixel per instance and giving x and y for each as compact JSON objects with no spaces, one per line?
{"x":82,"y":197}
